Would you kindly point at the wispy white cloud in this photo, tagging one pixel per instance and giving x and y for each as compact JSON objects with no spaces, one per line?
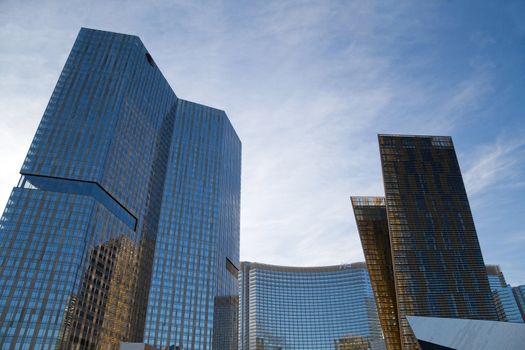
{"x":307,"y":85}
{"x":496,"y":163}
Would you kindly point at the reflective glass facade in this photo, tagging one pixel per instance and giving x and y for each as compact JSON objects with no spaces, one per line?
{"x":305,"y":308}
{"x":519,"y":295}
{"x":122,"y":180}
{"x":506,"y":304}
{"x":197,"y":249}
{"x":437,"y":265}
{"x":372,"y":223}
{"x":495,"y":277}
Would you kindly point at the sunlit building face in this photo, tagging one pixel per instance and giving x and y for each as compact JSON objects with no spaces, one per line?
{"x":125,"y":187}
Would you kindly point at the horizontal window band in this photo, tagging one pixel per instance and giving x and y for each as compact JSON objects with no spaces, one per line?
{"x":79,"y":187}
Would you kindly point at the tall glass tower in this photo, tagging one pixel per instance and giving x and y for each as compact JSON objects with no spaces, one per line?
{"x":436,"y":263}
{"x":124,"y":187}
{"x":196,"y":259}
{"x":372,"y":224}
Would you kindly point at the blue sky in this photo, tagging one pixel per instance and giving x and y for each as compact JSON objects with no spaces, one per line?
{"x":308,"y":86}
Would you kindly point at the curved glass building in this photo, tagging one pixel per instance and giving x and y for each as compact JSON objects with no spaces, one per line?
{"x":288,"y":308}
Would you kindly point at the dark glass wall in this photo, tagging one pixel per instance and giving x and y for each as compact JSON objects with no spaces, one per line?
{"x":436,"y":257}
{"x":226,"y":332}
{"x":519,"y":295}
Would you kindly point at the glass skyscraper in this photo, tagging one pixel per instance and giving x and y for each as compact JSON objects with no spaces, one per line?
{"x":436,"y":263}
{"x":506,"y":304}
{"x":372,"y":223}
{"x":125,"y":187}
{"x":519,"y":295}
{"x":495,"y":277}
{"x":306,"y":308}
{"x":196,"y":259}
